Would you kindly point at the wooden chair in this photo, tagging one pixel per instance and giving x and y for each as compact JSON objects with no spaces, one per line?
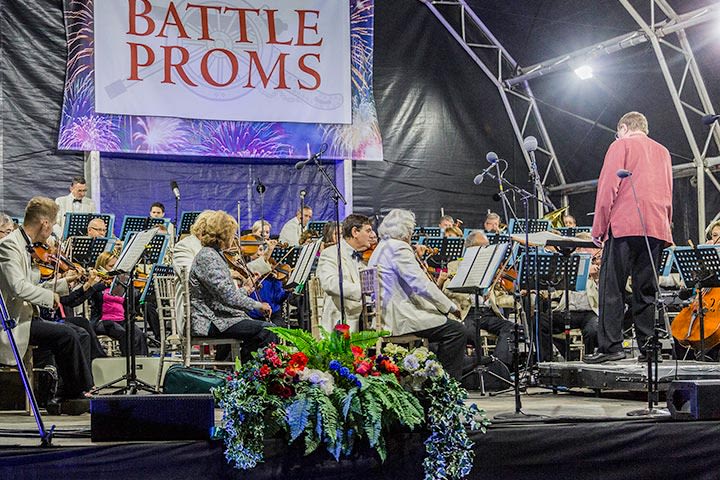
{"x":371,"y":315}
{"x":190,"y":339}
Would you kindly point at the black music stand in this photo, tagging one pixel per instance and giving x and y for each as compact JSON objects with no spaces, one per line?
{"x":287,"y":255}
{"x":155,"y":250}
{"x":517,"y":226}
{"x":572,"y":231}
{"x":449,"y":249}
{"x":186,"y":221}
{"x":667,"y":262}
{"x":132,"y":255}
{"x":316,"y":228}
{"x":135,"y":223}
{"x":8,"y":324}
{"x":556,"y":270}
{"x":427,"y":232}
{"x":149,"y":290}
{"x":475,"y":275}
{"x":700,"y":267}
{"x":86,"y":250}
{"x":76,"y":224}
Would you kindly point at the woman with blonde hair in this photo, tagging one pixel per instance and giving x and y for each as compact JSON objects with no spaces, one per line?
{"x":219,"y":308}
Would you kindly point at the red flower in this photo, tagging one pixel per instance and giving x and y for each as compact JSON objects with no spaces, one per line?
{"x":290,"y":371}
{"x":389,"y":367}
{"x":298,"y":361}
{"x":263,"y":372}
{"x":357,"y":351}
{"x":344,"y":329}
{"x":363,"y":368}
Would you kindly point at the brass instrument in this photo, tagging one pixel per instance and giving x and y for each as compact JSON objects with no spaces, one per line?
{"x":556,"y":217}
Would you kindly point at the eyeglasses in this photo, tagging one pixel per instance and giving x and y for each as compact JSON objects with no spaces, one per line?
{"x":98,"y":229}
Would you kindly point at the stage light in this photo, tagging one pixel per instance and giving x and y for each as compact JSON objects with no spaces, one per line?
{"x":584,"y":72}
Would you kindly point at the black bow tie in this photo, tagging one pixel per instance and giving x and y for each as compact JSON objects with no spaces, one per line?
{"x":76,"y":200}
{"x":357,"y":255}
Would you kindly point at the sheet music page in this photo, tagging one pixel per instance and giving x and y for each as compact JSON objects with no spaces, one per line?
{"x":307,"y":256}
{"x":541,"y":238}
{"x":134,"y":249}
{"x":470,"y":273}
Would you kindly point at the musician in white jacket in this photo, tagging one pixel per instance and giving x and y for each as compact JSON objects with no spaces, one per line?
{"x":76,"y":201}
{"x":410,"y":301}
{"x":356,"y":235}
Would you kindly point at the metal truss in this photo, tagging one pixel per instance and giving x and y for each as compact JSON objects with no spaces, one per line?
{"x":495,"y":62}
{"x":657,"y":31}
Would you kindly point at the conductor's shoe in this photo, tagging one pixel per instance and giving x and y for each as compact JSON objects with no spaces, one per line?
{"x":600,"y":357}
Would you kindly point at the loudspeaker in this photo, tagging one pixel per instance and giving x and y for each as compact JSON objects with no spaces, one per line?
{"x":151,"y":417}
{"x":694,"y":399}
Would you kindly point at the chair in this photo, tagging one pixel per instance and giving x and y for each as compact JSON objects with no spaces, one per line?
{"x":576,"y":341}
{"x":488,"y":341}
{"x":190,"y":339}
{"x":165,"y":296}
{"x":371,"y":315}
{"x":317,"y":302}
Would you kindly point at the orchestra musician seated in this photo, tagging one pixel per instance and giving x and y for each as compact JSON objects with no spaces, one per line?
{"x":97,"y":228}
{"x":261,"y":228}
{"x":7,"y":226}
{"x":410,"y":302}
{"x":294,"y":228}
{"x":492,"y":223}
{"x":357,"y":234}
{"x":569,"y":221}
{"x":446,"y":221}
{"x":219,"y":309}
{"x":107,"y":311}
{"x":486,"y":315}
{"x":583,"y":311}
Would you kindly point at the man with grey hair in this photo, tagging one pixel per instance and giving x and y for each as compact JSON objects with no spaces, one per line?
{"x":410,"y":301}
{"x":6,"y":225}
{"x":492,"y":223}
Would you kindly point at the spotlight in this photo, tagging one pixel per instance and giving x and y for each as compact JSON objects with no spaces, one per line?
{"x":584,"y":72}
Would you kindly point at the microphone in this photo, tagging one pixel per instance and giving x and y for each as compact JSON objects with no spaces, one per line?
{"x":530,"y":144}
{"x":260,"y":187}
{"x":491,"y":157}
{"x":175,"y":189}
{"x":301,"y":164}
{"x":710,"y":119}
{"x":622,"y":173}
{"x":481,"y":176}
{"x":303,"y":193}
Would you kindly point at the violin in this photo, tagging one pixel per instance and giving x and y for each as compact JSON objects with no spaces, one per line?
{"x":368,"y":253}
{"x":248,"y":245}
{"x":49,"y":262}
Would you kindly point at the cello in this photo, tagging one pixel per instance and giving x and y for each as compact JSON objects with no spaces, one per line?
{"x":686,"y":327}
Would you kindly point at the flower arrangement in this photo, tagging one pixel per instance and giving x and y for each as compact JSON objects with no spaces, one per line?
{"x":333,"y":393}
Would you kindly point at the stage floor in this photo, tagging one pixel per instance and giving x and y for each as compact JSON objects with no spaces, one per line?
{"x":582,"y":437}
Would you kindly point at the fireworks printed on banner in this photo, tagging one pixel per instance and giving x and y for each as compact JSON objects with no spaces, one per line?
{"x":82,"y":128}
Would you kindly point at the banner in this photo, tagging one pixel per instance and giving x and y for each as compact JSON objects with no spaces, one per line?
{"x":271,"y":61}
{"x":226,"y":78}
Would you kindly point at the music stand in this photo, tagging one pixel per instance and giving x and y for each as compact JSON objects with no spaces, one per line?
{"x":572,"y":231}
{"x":136,"y":223}
{"x":517,"y":225}
{"x":155,"y":249}
{"x":449,"y":249}
{"x":667,"y":262}
{"x":132,"y":254}
{"x":700,"y":267}
{"x":303,"y":266}
{"x":161,"y":270}
{"x":76,"y":224}
{"x":316,"y":228}
{"x":186,"y":221}
{"x":280,"y":254}
{"x":86,"y":250}
{"x":428,"y":232}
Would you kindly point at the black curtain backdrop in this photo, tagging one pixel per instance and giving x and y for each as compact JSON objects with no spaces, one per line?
{"x":439,"y":115}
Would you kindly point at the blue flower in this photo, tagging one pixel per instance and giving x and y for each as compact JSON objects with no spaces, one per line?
{"x":344,"y":371}
{"x":335,"y":365}
{"x":351,"y":377}
{"x":358,"y":383}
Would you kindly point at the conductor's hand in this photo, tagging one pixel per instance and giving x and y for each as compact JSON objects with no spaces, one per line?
{"x":597,"y":241}
{"x":266,"y":309}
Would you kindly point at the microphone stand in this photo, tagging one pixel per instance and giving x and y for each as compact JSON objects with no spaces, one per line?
{"x":653,"y":343}
{"x":337,"y":197}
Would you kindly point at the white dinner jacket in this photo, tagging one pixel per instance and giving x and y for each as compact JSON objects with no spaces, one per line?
{"x":327,"y":273}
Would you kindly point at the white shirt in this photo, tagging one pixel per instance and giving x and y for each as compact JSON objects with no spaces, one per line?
{"x":291,"y":232}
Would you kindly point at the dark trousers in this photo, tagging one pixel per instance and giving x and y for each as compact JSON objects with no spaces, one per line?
{"x":585,"y":321}
{"x":63,"y":341}
{"x":622,"y":258}
{"x":95,"y":348}
{"x":451,"y":338}
{"x":253,"y":333}
{"x":116,"y":331}
{"x":485,"y":319}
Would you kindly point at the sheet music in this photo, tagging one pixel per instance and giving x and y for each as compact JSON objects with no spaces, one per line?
{"x":304,"y":263}
{"x":542,"y":238}
{"x":478,"y":267}
{"x":134,"y":249}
